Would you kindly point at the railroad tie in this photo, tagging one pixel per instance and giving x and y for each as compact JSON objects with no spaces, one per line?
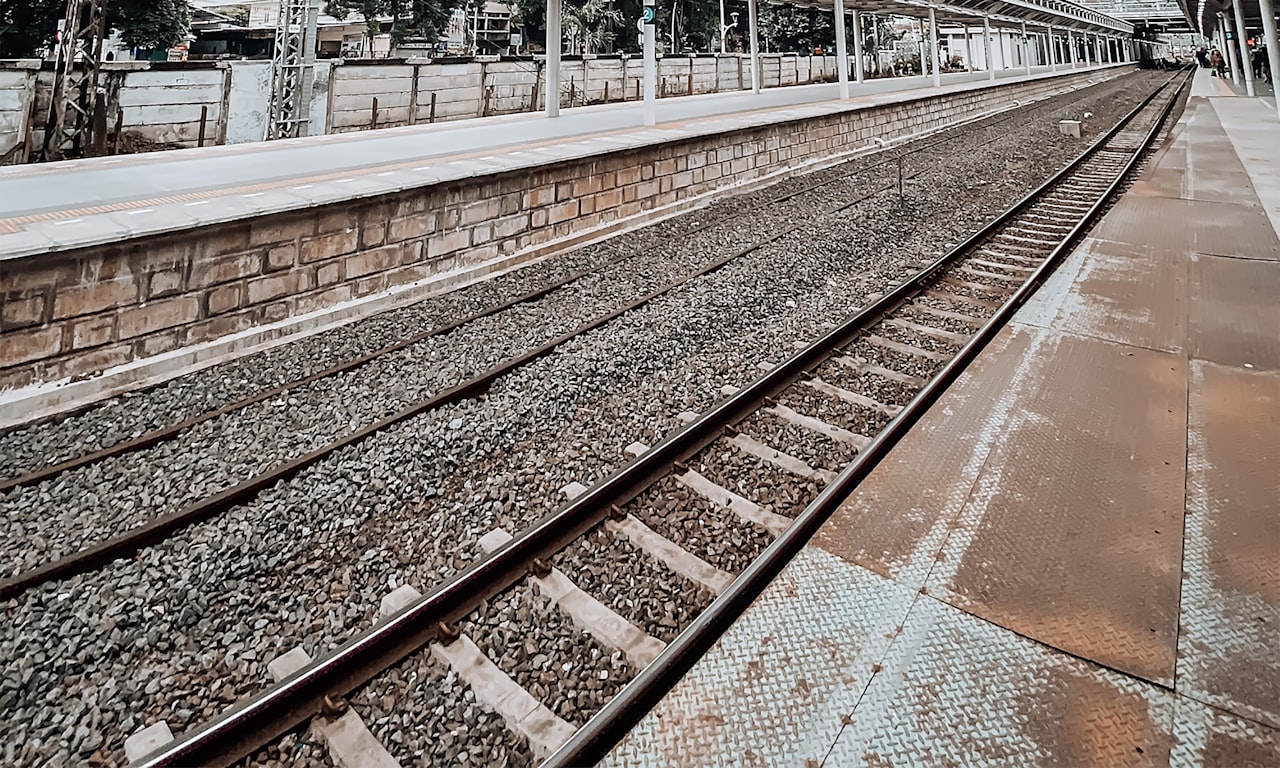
{"x":853,"y":398}
{"x":349,"y":741}
{"x":839,"y":434}
{"x":587,"y":612}
{"x":522,"y":713}
{"x":743,"y":508}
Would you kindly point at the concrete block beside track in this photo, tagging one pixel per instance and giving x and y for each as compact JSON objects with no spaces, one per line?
{"x":71,"y":312}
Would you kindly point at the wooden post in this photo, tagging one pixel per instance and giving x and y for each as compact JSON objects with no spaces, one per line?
{"x":373,"y":119}
{"x":115,"y":148}
{"x":433,"y":107}
{"x":606,"y":91}
{"x":488,"y":92}
{"x":637,"y":90}
{"x":690,"y":75}
{"x":533,"y":94}
{"x":204,"y":121}
{"x":571,"y":91}
{"x":413,"y":95}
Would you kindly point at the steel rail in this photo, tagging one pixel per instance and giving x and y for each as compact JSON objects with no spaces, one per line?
{"x":258,"y":721}
{"x":161,"y":434}
{"x":157,"y":529}
{"x":608,"y":726}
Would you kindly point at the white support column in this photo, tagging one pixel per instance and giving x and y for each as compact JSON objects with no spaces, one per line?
{"x":924,"y":54}
{"x":1230,"y":50}
{"x":1026,"y":48}
{"x":1071,"y":49}
{"x":859,"y":66}
{"x":756,"y":78}
{"x":1053,"y":51}
{"x":986,"y":43}
{"x":554,"y":43}
{"x":650,"y":108}
{"x":1242,"y":40}
{"x":842,"y":51}
{"x":1273,"y":44}
{"x":968,"y":48}
{"x":933,"y":42}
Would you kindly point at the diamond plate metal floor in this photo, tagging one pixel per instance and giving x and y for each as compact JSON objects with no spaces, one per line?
{"x":1074,"y":558}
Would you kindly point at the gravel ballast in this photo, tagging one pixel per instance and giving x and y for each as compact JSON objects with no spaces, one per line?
{"x":186,"y":628}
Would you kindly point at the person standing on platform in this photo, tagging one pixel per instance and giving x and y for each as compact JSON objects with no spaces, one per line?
{"x":1219,"y":64}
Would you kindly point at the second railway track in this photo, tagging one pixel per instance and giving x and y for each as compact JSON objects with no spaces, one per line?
{"x":847,"y":396}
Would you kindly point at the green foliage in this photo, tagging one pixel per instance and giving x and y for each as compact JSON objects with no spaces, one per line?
{"x":154,"y":24}
{"x":421,"y":19}
{"x":27,"y":25}
{"x":590,"y":27}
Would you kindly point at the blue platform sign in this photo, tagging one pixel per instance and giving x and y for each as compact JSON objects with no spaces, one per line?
{"x":648,"y":17}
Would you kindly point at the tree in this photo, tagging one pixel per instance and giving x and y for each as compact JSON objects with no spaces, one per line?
{"x":590,"y":27}
{"x":424,"y":19}
{"x":26,"y":26}
{"x":151,"y":24}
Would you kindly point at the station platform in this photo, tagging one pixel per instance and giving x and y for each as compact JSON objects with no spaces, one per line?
{"x":87,"y":202}
{"x":1074,"y":557}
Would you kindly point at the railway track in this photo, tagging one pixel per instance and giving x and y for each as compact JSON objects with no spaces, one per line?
{"x":875,"y":178}
{"x":850,"y":395}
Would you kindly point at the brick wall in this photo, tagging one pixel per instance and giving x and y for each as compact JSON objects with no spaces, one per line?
{"x":77,"y":313}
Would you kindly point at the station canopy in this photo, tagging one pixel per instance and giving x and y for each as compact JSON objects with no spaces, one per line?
{"x":1203,"y":14}
{"x":1060,"y":14}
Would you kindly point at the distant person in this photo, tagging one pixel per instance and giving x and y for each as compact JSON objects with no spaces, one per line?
{"x":1202,"y":56}
{"x":1219,"y":64}
{"x":1264,"y":64}
{"x":1255,"y":60}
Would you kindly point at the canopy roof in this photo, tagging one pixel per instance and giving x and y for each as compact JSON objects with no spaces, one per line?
{"x":1061,"y":14}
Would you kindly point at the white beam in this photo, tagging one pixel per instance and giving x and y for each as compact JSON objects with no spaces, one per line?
{"x":842,"y":50}
{"x":1242,"y":40}
{"x":859,"y":67}
{"x":650,"y":71}
{"x":1026,"y":48}
{"x":1231,"y":50}
{"x":756,"y":78}
{"x":986,"y":42}
{"x":933,"y":41}
{"x":555,"y":42}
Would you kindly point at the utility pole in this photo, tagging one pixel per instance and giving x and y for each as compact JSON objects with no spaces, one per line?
{"x":77,"y":122}
{"x":292,"y":69}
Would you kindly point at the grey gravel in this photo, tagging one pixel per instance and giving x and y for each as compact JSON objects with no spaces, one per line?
{"x":185,"y":629}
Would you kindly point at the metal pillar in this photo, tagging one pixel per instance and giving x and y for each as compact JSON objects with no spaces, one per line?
{"x":842,"y":50}
{"x":986,"y":50}
{"x":292,"y":69}
{"x":933,"y":42}
{"x":1231,"y":50}
{"x":968,"y":49}
{"x":924,"y":55}
{"x":555,"y":41}
{"x":77,"y":121}
{"x":1242,"y":36}
{"x":1273,"y":44}
{"x":650,"y":67}
{"x":859,"y":67}
{"x":1053,"y":53}
{"x":756,"y":78}
{"x":1026,"y":48}
{"x":1071,"y":48}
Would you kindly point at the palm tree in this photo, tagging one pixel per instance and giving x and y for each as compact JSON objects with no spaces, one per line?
{"x":590,"y":27}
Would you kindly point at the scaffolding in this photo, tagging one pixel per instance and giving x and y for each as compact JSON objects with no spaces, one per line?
{"x":293,"y":67}
{"x":77,"y":123}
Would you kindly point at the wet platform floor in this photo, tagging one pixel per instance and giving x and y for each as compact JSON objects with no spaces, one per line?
{"x":1074,"y":558}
